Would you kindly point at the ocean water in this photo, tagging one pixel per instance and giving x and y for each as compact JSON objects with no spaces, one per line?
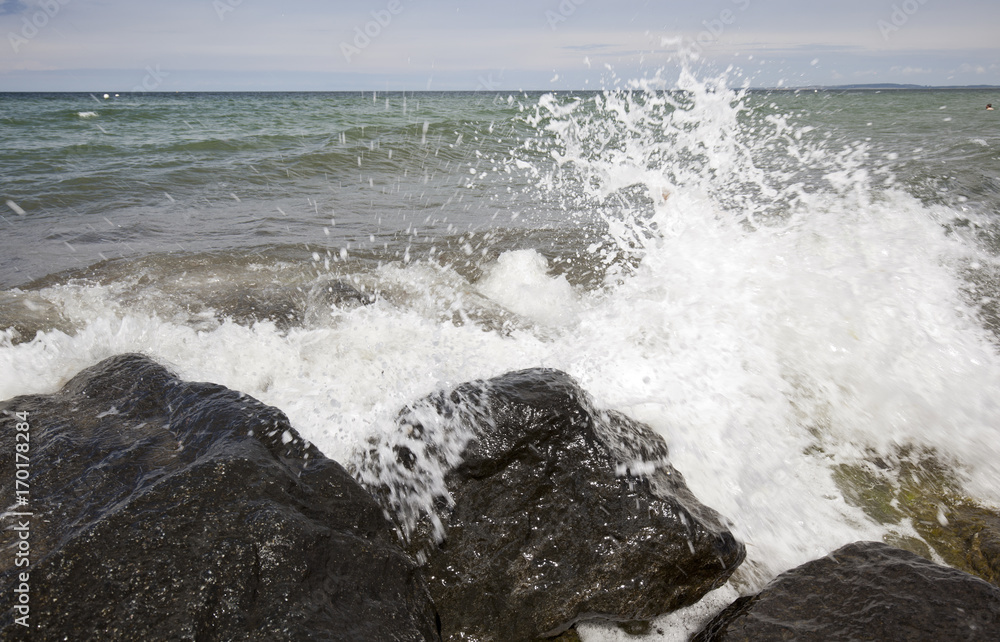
{"x":782,"y":284}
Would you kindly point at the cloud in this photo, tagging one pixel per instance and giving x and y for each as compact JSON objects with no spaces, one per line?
{"x":594,"y":47}
{"x":820,"y":48}
{"x":910,"y":71}
{"x":968,"y":68}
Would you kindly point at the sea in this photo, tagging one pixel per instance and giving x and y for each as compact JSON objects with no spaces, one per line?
{"x":786,"y":285}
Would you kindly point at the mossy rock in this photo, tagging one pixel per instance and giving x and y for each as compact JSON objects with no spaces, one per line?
{"x":981,"y":530}
{"x":916,"y":485}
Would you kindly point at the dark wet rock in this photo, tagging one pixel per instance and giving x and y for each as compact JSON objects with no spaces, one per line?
{"x":168,"y":510}
{"x":545,"y":511}
{"x":864,"y":591}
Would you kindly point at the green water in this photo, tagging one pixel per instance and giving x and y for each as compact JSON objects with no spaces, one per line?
{"x":135,"y":174}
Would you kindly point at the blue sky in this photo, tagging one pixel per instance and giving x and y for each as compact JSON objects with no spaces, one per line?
{"x":227,"y":45}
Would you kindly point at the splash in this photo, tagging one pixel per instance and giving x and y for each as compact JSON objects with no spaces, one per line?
{"x":647,"y":160}
{"x":775,"y":304}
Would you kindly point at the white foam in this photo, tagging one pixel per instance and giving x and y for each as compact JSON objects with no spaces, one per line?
{"x":519,"y":281}
{"x":673,"y":627}
{"x":337,"y":383}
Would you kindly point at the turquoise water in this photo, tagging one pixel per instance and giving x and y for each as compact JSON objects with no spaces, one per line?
{"x":210,"y":172}
{"x":780,"y":283}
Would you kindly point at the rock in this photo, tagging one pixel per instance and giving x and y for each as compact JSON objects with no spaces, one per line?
{"x":542,"y":511}
{"x":917,"y":488}
{"x":171,"y":510}
{"x":24,"y":314}
{"x":284,"y":305}
{"x":980,"y":529}
{"x":864,"y":591}
{"x":640,"y":627}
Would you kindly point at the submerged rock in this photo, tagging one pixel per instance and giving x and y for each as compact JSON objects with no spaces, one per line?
{"x":284,"y":305}
{"x":171,"y":510}
{"x":24,"y":314}
{"x":535,"y":511}
{"x":864,"y":591}
{"x":915,"y":487}
{"x":981,"y":530}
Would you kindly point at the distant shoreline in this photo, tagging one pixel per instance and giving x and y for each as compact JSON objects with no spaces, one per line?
{"x":879,"y":87}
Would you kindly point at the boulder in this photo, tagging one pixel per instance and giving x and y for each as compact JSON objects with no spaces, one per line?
{"x":864,"y":591}
{"x":162,"y":509}
{"x":533,"y":510}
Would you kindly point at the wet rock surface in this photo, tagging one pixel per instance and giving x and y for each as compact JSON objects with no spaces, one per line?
{"x":285,"y":306}
{"x":24,"y":314}
{"x":164,"y":509}
{"x":545,"y":512}
{"x":981,"y":530}
{"x":915,"y":487}
{"x":864,"y":591}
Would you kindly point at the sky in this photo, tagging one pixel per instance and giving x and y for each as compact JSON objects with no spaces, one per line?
{"x":413,"y":45}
